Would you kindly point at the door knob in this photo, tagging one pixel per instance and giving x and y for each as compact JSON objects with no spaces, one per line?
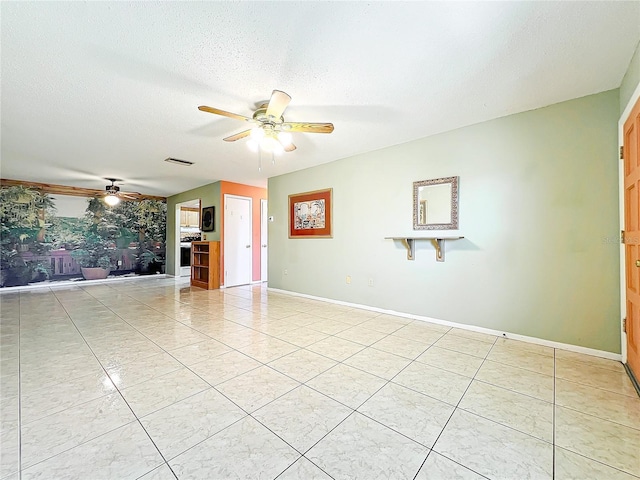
{"x":264,"y":246}
{"x":637,"y":263}
{"x":248,"y":246}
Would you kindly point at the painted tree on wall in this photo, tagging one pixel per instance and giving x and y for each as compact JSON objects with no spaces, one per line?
{"x":22,"y":227}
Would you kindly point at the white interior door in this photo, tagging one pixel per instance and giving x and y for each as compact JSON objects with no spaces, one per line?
{"x":264,"y":250}
{"x":237,"y":241}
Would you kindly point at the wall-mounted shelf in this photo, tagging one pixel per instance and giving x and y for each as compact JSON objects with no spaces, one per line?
{"x":437,"y":241}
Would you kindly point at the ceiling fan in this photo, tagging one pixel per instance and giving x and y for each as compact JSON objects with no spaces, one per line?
{"x":113,"y":193}
{"x":270,"y":133}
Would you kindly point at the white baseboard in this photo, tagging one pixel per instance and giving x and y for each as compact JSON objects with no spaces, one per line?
{"x":462,"y":326}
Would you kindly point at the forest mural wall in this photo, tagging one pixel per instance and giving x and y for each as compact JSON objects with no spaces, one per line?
{"x":81,"y":239}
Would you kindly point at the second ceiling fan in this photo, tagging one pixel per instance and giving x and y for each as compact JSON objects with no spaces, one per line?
{"x":270,"y":131}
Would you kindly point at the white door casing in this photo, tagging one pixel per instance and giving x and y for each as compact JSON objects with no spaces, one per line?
{"x":264,"y":249}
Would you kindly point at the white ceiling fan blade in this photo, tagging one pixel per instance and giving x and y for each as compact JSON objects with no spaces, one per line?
{"x":279,"y":101}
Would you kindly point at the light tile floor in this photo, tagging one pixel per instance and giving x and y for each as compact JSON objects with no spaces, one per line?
{"x":151,"y":379}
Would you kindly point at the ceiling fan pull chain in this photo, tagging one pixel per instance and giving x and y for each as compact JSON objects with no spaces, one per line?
{"x":273,"y":158}
{"x":259,"y":160}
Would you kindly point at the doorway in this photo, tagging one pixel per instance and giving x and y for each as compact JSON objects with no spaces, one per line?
{"x":264,"y":249}
{"x":631,"y":222}
{"x":238,"y":242}
{"x":187,"y":228}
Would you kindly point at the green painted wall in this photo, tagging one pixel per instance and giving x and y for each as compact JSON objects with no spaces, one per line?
{"x":538,"y":209}
{"x":631,"y":79}
{"x":209,"y":195}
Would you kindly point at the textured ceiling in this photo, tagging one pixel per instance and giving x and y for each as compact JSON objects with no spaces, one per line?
{"x":110,"y":89}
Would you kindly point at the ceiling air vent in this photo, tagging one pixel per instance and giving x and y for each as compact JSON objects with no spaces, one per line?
{"x":186,"y":163}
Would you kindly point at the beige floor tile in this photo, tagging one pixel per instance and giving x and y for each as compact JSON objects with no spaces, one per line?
{"x":361,"y":335}
{"x":455,"y":362}
{"x":124,"y":453}
{"x":199,"y":352}
{"x":401,"y":346}
{"x":571,"y":466}
{"x":347,"y":385}
{"x":182,"y":425}
{"x":54,"y":434}
{"x":9,"y":450}
{"x":336,"y":348}
{"x":159,"y":392}
{"x":302,"y":417}
{"x":434,"y":382}
{"x":302,"y":365}
{"x":520,"y":412}
{"x":599,"y":403}
{"x":256,"y":388}
{"x":595,"y":376}
{"x":410,"y":413}
{"x":464,"y":345}
{"x":377,"y":362}
{"x":520,"y":346}
{"x":246,"y":449}
{"x":419,"y":333}
{"x":590,"y":360}
{"x":143,"y":369}
{"x":268,"y":350}
{"x":360,"y":448}
{"x":606,"y":442}
{"x":516,"y":379}
{"x":493,"y":450}
{"x":60,"y":396}
{"x":224,"y":367}
{"x":437,"y":467}
{"x":302,"y":336}
{"x":482,"y":337}
{"x":303,"y":469}
{"x":522,"y":359}
{"x":163,"y":472}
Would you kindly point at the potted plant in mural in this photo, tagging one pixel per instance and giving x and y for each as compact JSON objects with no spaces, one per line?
{"x":95,"y":255}
{"x":22,"y":220}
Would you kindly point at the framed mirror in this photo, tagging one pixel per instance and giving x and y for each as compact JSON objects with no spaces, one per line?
{"x":435,"y":204}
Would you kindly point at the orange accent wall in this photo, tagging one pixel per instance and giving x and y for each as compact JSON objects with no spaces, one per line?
{"x":256,"y":193}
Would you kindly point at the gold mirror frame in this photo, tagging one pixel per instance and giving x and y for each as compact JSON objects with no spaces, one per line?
{"x":418,"y":214}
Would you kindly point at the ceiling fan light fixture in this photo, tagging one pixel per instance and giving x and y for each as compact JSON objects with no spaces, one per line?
{"x":271,"y":144}
{"x":111,"y":199}
{"x":257,"y":133}
{"x":253,"y":144}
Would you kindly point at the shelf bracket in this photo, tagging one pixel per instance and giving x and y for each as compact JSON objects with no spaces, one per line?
{"x":409,"y":244}
{"x":439,"y":244}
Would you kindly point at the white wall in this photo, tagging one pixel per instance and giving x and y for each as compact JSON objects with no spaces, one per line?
{"x":538,"y":209}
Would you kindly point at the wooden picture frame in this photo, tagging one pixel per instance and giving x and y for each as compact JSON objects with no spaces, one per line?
{"x":208,"y":219}
{"x":311,"y":214}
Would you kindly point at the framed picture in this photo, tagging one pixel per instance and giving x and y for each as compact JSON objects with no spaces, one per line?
{"x":310,"y":214}
{"x":208,"y":219}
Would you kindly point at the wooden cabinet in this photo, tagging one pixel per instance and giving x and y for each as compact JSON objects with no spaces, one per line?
{"x":205,"y":265}
{"x":190,"y":217}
